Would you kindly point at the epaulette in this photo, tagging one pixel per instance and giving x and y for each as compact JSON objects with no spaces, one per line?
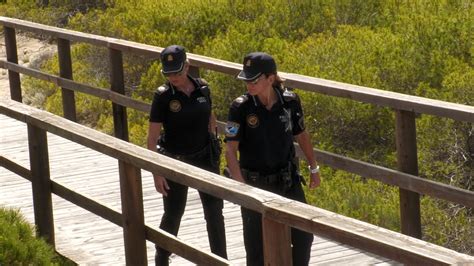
{"x":240,"y":100}
{"x":203,"y":86}
{"x":161,"y":89}
{"x":289,"y":95}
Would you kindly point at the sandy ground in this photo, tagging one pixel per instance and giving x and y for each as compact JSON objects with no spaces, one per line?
{"x":29,"y":51}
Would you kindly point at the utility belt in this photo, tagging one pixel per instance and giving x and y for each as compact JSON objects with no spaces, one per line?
{"x":202,"y":153}
{"x":280,"y":181}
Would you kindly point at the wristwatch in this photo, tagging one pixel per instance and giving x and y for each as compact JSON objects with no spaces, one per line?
{"x":313,"y":170}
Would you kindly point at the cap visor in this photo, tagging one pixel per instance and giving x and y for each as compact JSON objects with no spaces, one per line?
{"x":248,"y":76}
{"x":172,"y":69}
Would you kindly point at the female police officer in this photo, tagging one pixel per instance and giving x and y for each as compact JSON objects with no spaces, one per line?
{"x":261,"y":126}
{"x":182,"y":106}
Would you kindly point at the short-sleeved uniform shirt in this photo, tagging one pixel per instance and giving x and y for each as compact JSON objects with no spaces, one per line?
{"x":265,"y":136}
{"x":185,"y":119}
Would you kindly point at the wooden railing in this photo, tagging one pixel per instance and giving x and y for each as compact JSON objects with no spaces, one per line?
{"x":278,"y":213}
{"x":404,"y":106}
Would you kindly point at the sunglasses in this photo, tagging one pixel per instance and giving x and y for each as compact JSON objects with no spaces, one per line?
{"x":172,"y":74}
{"x":255,"y":81}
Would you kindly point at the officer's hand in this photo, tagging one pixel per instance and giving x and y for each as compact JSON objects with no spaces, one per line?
{"x":161,"y":185}
{"x":315,"y":180}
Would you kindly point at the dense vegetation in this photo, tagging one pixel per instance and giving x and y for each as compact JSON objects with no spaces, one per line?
{"x":422,"y":48}
{"x":18,"y":246}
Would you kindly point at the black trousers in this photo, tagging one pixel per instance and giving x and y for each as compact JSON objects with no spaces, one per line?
{"x":253,"y":240}
{"x":174,"y":205}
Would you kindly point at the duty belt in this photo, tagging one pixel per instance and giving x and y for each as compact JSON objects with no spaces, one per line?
{"x":199,"y":154}
{"x":282,"y":176}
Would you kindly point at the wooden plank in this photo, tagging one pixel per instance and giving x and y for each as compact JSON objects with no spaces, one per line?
{"x":40,"y":180}
{"x":75,"y":86}
{"x":388,"y":176}
{"x":15,"y":168}
{"x":294,"y":214}
{"x":117,"y":85}
{"x":132,"y":214}
{"x":365,"y":236}
{"x":12,"y":56}
{"x":276,"y":242}
{"x":389,"y":99}
{"x":393,"y":177}
{"x":359,"y":93}
{"x":90,"y":240}
{"x":86,"y":203}
{"x":407,"y":161}
{"x":65,"y":71}
{"x":170,"y":242}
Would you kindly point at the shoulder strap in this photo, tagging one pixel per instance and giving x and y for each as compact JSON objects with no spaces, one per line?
{"x":240,"y":100}
{"x":161,"y":89}
{"x":204,"y":87}
{"x":289,"y":95}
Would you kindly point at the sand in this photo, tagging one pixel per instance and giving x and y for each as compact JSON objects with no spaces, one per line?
{"x":29,"y":51}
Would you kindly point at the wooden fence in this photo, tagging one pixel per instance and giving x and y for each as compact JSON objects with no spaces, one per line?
{"x":404,"y":106}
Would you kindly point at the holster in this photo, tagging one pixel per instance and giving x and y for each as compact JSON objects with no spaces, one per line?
{"x":215,"y":150}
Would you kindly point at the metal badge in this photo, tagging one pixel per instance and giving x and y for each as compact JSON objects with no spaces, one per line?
{"x":175,"y":106}
{"x":252,"y":121}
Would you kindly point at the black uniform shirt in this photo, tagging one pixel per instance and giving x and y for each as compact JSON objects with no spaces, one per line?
{"x":185,"y":119}
{"x":265,"y":136}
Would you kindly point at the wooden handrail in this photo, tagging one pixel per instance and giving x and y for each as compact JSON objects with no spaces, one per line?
{"x":305,"y":217}
{"x":382,"y":174}
{"x":76,"y":86}
{"x":405,"y":106}
{"x":343,"y":90}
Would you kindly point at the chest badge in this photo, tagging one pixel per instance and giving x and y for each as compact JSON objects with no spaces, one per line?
{"x":175,"y":106}
{"x":252,"y":121}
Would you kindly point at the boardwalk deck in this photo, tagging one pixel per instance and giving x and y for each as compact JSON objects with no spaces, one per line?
{"x":89,"y":239}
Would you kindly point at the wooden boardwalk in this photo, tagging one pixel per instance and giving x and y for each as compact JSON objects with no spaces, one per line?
{"x":89,"y":239}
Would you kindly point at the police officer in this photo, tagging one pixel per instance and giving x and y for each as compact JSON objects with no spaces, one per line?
{"x":262,"y":125}
{"x":182,"y":107}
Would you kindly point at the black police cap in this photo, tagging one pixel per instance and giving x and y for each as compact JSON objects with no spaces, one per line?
{"x":256,"y":64}
{"x":172,"y":59}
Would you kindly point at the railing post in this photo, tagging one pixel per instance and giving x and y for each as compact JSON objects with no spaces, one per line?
{"x":12,"y":56}
{"x":132,"y":214}
{"x":117,"y":84}
{"x":65,"y":71}
{"x":276,"y":242}
{"x":407,"y":161}
{"x":41,"y":185}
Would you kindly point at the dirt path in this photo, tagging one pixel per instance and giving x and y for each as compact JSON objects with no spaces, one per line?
{"x":30,"y":50}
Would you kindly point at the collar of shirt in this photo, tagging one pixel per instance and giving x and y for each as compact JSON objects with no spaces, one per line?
{"x":173,"y":90}
{"x":257,"y":101}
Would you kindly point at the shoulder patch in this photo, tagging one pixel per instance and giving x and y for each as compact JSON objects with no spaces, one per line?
{"x":162,"y":89}
{"x":240,"y":100}
{"x":289,"y":95}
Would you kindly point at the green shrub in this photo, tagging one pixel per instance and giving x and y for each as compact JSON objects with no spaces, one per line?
{"x":18,"y":246}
